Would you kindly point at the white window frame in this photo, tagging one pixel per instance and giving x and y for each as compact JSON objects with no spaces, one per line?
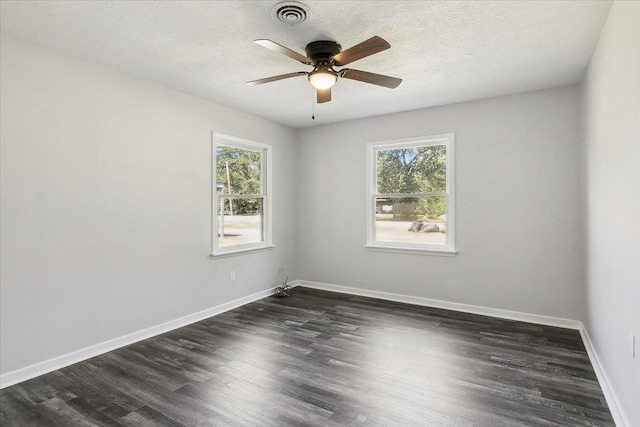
{"x":218,"y":139}
{"x":449,"y":247}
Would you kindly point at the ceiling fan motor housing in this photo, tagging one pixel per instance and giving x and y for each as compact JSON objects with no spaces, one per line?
{"x":323,"y":55}
{"x":321,"y":51}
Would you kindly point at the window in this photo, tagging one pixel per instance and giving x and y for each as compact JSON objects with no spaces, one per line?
{"x":241,"y":195}
{"x":410,"y":195}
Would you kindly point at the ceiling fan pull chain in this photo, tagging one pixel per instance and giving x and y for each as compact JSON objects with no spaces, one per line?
{"x":331,"y":114}
{"x":313,"y":105}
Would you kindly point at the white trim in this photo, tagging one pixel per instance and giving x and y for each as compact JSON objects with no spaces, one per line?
{"x":44,"y":367}
{"x":448,"y":140}
{"x":41,"y":368}
{"x":245,"y":144}
{"x":617,"y":413}
{"x":619,"y":417}
{"x":266,"y":163}
{"x":409,"y":250}
{"x":241,"y":251}
{"x":416,"y":141}
{"x":447,"y":305}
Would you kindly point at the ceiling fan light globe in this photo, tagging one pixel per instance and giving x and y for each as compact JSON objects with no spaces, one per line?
{"x":322,"y":80}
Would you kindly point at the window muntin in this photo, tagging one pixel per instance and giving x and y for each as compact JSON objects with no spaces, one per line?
{"x":410,"y":200}
{"x":241,"y":202}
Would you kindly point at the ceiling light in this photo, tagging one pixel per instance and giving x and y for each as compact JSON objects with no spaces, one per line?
{"x":323,"y":78}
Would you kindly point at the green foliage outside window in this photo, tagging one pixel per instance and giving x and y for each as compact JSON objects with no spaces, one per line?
{"x":413,"y":170}
{"x":239,"y":170}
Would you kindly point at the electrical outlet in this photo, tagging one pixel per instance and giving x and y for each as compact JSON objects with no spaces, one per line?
{"x":632,"y":344}
{"x":232,"y":276}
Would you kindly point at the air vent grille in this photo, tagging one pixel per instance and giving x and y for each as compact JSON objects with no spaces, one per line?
{"x":290,"y":12}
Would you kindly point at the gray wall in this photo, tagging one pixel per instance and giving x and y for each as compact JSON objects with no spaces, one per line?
{"x":517,"y":205}
{"x":611,"y":132}
{"x":105,"y":192}
{"x":106,"y":204}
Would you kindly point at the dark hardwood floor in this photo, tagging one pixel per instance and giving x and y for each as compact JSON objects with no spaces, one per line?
{"x":326,"y":359}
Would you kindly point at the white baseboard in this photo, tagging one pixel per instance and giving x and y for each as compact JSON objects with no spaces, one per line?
{"x":455,"y":306}
{"x":618,"y":414}
{"x":612,"y":400}
{"x":23,"y":374}
{"x":26,"y":373}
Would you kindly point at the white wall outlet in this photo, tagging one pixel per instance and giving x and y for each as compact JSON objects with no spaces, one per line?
{"x":632,"y":344}
{"x":232,"y":276}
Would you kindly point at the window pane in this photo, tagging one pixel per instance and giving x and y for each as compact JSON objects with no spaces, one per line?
{"x":412,"y":170}
{"x":241,"y":221}
{"x":237,"y":170}
{"x":417,"y":220}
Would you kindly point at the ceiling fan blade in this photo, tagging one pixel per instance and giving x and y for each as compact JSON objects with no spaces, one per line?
{"x":283,"y":50}
{"x":373,"y":78}
{"x":323,"y":95}
{"x":368,"y":47}
{"x":276,"y":78}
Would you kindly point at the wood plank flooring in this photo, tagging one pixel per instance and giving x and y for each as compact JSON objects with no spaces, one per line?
{"x":326,"y":359}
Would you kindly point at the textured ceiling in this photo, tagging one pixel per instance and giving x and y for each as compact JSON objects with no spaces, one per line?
{"x":445,"y":51}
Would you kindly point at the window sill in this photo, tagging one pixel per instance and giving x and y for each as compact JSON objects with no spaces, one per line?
{"x":413,"y":251}
{"x":225,"y":254}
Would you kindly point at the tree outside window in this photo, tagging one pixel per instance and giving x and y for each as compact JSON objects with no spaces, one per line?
{"x":241,"y":195}
{"x":410,"y":195}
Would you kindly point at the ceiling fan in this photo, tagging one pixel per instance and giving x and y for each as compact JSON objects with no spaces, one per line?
{"x":324,"y":55}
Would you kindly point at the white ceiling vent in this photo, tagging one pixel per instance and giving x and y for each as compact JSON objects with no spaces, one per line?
{"x":290,"y":12}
